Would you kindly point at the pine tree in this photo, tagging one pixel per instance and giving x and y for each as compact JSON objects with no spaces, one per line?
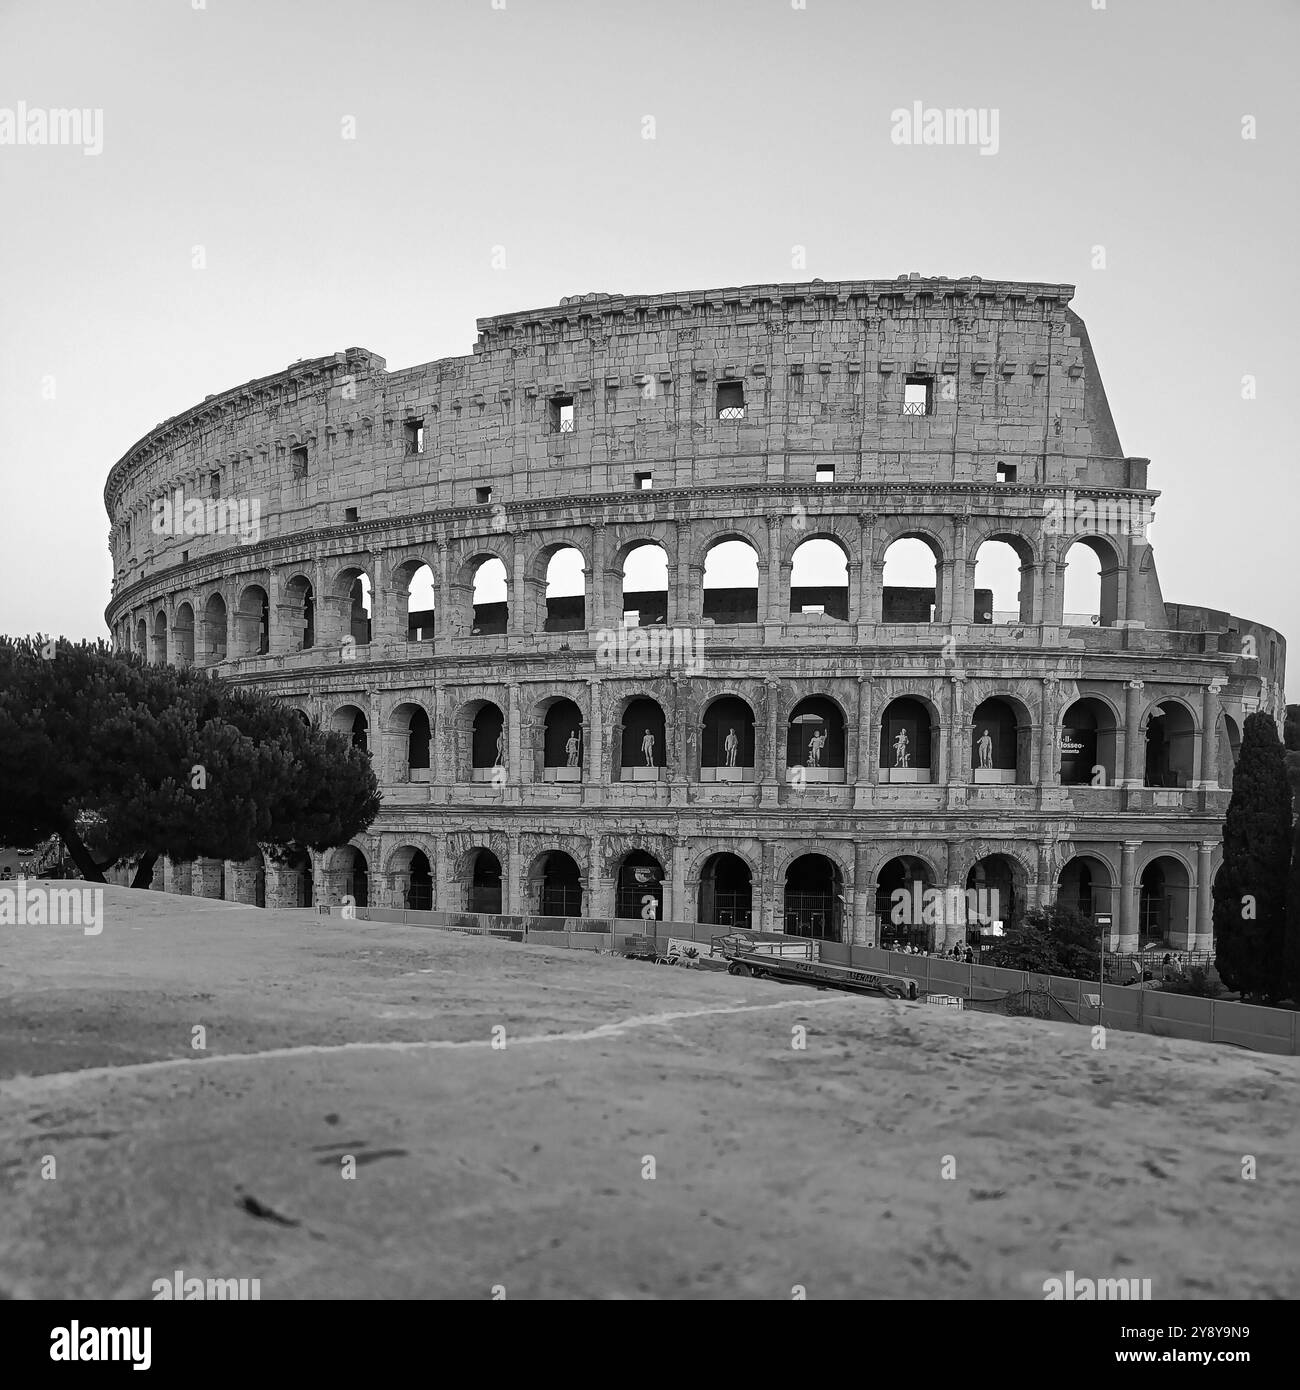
{"x":1251,"y":887}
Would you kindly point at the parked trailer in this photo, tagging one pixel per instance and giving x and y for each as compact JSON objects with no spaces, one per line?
{"x":744,"y":959}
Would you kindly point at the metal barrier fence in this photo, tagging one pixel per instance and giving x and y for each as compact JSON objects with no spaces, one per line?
{"x":984,"y":988}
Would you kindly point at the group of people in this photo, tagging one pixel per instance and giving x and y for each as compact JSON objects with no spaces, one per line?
{"x":959,"y":952}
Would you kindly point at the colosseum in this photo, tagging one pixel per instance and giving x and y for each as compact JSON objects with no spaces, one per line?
{"x":696,"y":605}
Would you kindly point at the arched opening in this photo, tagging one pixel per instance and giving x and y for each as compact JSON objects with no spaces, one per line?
{"x":414,"y":580}
{"x":349,"y":719}
{"x":819,"y":580}
{"x":491,"y":608}
{"x":483,"y":889}
{"x":159,"y":648}
{"x":412,"y":879}
{"x":910,"y":582}
{"x":304,"y":887}
{"x":639,"y":892}
{"x":726,"y":892}
{"x":566,"y":590}
{"x":214,"y":630}
{"x":409,"y":725}
{"x":1087,"y":744}
{"x":645,"y":586}
{"x":487,"y":742}
{"x":557,"y":884}
{"x":999,"y":743}
{"x":814,"y":898}
{"x":142,"y":640}
{"x":1228,"y":747}
{"x":727,"y":741}
{"x":1002,"y":583}
{"x":643,"y":742}
{"x":259,"y":882}
{"x":904,"y":917}
{"x":992,"y":903}
{"x":1164,"y":904}
{"x":1170,"y":746}
{"x":353,"y":876}
{"x":301,"y":600}
{"x":253,"y":622}
{"x":730,"y":582}
{"x":183,"y":634}
{"x":1091,"y":587}
{"x":562,"y":742}
{"x":906,"y":741}
{"x":815,"y":741}
{"x":352,"y":590}
{"x":1085,"y":886}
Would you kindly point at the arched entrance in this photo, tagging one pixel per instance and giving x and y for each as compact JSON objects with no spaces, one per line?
{"x":901,"y":886}
{"x":557,"y":883}
{"x":813,"y":898}
{"x":992,"y":903}
{"x":640,"y":893}
{"x":483,"y":887}
{"x":1164,"y":904}
{"x":726,"y":892}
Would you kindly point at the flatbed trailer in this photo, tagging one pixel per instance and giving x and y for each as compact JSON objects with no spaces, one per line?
{"x":744,"y":959}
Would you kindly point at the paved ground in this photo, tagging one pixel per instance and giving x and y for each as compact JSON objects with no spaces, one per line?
{"x":523,"y":1166}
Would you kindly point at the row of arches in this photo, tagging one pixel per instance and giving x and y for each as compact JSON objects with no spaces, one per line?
{"x":816,"y":741}
{"x":733,"y":591}
{"x":994,"y":895}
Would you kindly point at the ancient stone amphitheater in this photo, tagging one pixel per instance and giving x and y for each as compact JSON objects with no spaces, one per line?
{"x":681,"y":604}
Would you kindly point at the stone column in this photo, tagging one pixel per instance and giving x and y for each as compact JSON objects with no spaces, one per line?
{"x":1128,"y":913}
{"x":513,"y":758}
{"x":1210,"y":734}
{"x":593,"y":760}
{"x":513,"y":887}
{"x":866,"y":750}
{"x":772,"y":918}
{"x":441,"y":874}
{"x":868,"y":601}
{"x":1046,"y":887}
{"x":1204,"y":940}
{"x":517,"y":617}
{"x":955,"y":770}
{"x":597,"y":613}
{"x":961,"y":596}
{"x":443,"y":749}
{"x":1134,"y":749}
{"x":772,"y":771}
{"x":863,"y":918}
{"x":1049,"y":767}
{"x":206,"y":878}
{"x":681,"y":761}
{"x":852,"y":569}
{"x":676,"y":907}
{"x":775,"y":613}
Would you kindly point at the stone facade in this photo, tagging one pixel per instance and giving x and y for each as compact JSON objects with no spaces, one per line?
{"x":299,"y":507}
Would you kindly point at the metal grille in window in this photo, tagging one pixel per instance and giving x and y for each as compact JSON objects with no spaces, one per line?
{"x":566,"y":424}
{"x":913,"y":407}
{"x":732,"y":412}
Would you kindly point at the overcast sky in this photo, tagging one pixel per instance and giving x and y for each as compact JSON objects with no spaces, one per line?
{"x":521,"y":125}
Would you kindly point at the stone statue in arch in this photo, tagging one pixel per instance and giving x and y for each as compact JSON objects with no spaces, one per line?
{"x":648,"y":748}
{"x":986,"y":749}
{"x":501,"y":750}
{"x":571,"y":749}
{"x":731,"y":747}
{"x":902,"y":757}
{"x":815,"y":746}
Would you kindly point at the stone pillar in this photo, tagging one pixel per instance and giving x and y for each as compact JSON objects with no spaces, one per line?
{"x":676,"y":907}
{"x":775,"y":613}
{"x":1134,"y":744}
{"x":442,"y":750}
{"x":866,"y":760}
{"x":206,"y":878}
{"x":1210,"y":734}
{"x":281,"y":885}
{"x":1049,"y":767}
{"x":1204,"y":939}
{"x":512,"y":735}
{"x":593,"y":760}
{"x":598,"y":610}
{"x":1128,"y":908}
{"x":682,"y":770}
{"x":863,"y":931}
{"x":767,"y":893}
{"x":772,"y":769}
{"x":512,"y":887}
{"x":868,"y":601}
{"x":241,"y":881}
{"x":955,"y":769}
{"x":441,"y":874}
{"x":961,"y":597}
{"x":517,"y":617}
{"x":1046,"y":887}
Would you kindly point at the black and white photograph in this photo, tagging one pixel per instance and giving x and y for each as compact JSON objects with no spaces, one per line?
{"x":643,"y":659}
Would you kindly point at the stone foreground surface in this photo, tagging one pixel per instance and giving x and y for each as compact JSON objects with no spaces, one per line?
{"x":523,"y":1167}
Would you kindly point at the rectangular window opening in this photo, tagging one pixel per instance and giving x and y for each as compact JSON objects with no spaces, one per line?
{"x":562,"y":415}
{"x":214,"y":484}
{"x":825,"y":472}
{"x":918,"y":395}
{"x":731,"y":400}
{"x":482,"y":494}
{"x":350,"y":514}
{"x":642,"y":481}
{"x":298,"y":458}
{"x":413,"y":436}
{"x":1006,"y":473}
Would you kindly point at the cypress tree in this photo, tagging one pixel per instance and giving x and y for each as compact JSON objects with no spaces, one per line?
{"x":1250,"y":891}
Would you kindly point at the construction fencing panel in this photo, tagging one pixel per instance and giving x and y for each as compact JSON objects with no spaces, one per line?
{"x":1246,"y":1025}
